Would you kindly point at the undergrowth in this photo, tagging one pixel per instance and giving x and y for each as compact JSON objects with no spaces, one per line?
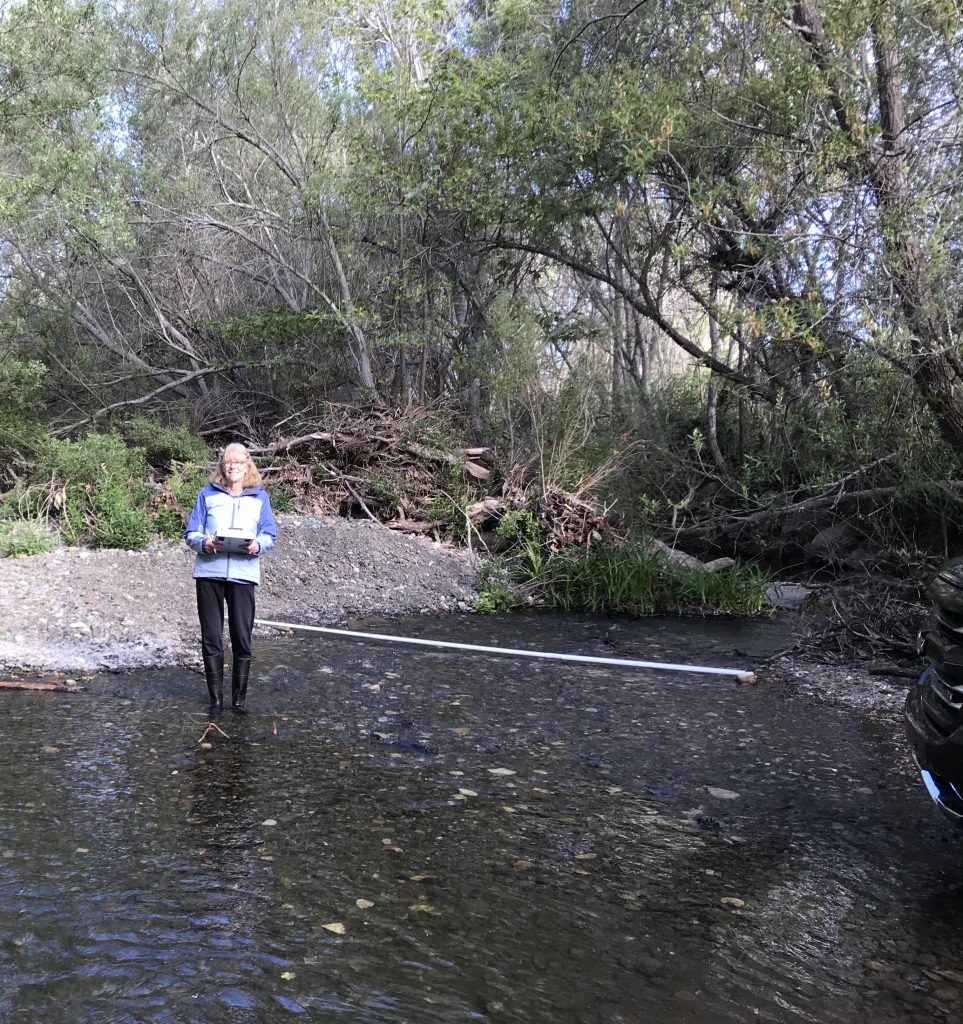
{"x":26,"y":537}
{"x":626,"y":579}
{"x":104,"y":490}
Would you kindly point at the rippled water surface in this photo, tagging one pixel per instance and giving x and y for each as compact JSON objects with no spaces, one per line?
{"x":530,"y":842}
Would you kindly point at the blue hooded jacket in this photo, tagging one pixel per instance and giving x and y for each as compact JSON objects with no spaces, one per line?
{"x":217,"y":510}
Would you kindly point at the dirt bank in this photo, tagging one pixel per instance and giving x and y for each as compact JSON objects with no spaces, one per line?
{"x":82,"y":610}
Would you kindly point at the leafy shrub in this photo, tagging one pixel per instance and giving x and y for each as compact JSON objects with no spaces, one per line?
{"x":183,"y":482}
{"x":496,"y":601}
{"x":101,"y":490}
{"x":443,"y":509}
{"x":384,"y":489}
{"x":172,"y":500}
{"x":20,"y":384}
{"x":282,"y":497}
{"x":496,"y":590}
{"x":168,"y":522}
{"x":162,"y":446}
{"x":94,"y":460}
{"x":118,"y":522}
{"x":22,"y":434}
{"x":74,"y":514}
{"x":27,"y":537}
{"x":520,"y":524}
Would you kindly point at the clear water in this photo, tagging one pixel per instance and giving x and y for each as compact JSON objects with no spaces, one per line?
{"x":668,"y":848}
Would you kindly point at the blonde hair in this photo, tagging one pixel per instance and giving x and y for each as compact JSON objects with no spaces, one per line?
{"x":252,"y":478}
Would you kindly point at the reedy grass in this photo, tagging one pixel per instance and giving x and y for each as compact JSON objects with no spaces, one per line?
{"x":632,"y":579}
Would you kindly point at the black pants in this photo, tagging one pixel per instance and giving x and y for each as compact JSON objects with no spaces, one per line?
{"x":211,"y":595}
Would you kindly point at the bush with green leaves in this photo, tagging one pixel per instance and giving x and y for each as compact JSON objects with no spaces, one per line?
{"x":184,"y":481}
{"x":20,"y":384}
{"x":26,"y":537}
{"x":94,"y":460}
{"x":519,"y":524}
{"x":449,"y":514}
{"x":172,"y":500}
{"x":21,"y":432}
{"x":282,"y":497}
{"x":383,"y":488}
{"x":496,"y":601}
{"x":118,"y":522}
{"x":102,"y":490}
{"x":496,"y":586}
{"x":164,"y":446}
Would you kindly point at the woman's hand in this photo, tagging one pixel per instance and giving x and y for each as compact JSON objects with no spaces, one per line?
{"x":253,"y":548}
{"x":210,"y":546}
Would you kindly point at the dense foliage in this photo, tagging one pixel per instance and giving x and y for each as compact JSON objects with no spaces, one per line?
{"x":716,"y":241}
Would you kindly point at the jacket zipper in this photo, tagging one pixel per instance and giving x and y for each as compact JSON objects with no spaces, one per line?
{"x":234,"y":501}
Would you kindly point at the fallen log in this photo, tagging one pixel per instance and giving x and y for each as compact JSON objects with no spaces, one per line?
{"x":18,"y":684}
{"x":414,"y":525}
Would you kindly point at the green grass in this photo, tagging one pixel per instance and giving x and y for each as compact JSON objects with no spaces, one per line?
{"x":630,"y":579}
{"x":26,"y":537}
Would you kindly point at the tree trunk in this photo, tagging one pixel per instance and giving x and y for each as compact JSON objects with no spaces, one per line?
{"x":935,"y":368}
{"x":712,"y":426}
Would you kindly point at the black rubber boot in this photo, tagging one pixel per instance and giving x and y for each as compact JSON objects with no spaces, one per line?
{"x":214,"y":674}
{"x":239,"y":673}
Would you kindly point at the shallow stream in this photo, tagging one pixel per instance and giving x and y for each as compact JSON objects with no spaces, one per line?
{"x":529,"y":841}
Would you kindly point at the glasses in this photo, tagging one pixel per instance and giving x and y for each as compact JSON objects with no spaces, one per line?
{"x":234,"y":462}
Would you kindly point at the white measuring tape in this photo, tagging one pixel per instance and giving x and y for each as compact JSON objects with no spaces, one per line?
{"x":740,"y":674}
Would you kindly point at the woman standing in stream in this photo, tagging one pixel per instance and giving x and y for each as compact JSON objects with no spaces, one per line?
{"x":230,"y":527}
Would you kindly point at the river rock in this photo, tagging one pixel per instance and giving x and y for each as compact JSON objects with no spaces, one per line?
{"x":680,"y":558}
{"x":788,"y":595}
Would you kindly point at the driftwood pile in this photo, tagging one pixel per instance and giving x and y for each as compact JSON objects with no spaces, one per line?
{"x":863,"y":619}
{"x":374,"y":464}
{"x":395,"y":469}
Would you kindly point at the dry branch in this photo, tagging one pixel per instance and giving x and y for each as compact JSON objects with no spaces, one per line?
{"x":17,"y":684}
{"x":863,"y":620}
{"x":732,"y":524}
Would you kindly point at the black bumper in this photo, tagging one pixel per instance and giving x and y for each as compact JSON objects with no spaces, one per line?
{"x":938,"y":752}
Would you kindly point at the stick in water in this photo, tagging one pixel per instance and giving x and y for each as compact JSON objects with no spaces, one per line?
{"x":741,"y":674}
{"x":16,"y":684}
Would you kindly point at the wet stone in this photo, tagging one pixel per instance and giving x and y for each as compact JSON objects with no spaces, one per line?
{"x":184,"y":878}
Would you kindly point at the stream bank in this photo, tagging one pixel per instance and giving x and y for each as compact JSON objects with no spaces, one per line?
{"x":78,"y":611}
{"x":82,"y":610}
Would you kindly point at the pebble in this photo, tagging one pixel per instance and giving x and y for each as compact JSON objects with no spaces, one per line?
{"x":142,"y":608}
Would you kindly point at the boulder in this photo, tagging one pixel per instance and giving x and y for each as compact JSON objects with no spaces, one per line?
{"x":832,"y":543}
{"x":788,"y":595}
{"x":680,"y":558}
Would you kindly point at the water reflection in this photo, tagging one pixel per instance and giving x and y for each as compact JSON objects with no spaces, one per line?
{"x":434,"y":838}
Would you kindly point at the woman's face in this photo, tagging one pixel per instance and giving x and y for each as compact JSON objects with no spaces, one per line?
{"x":235,"y":467}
